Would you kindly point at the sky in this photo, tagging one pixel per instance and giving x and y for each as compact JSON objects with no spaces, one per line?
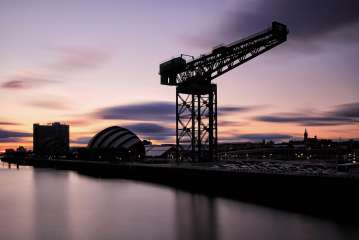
{"x":94,"y":63}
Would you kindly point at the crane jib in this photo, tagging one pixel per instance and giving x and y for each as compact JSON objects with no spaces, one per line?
{"x":177,"y":70}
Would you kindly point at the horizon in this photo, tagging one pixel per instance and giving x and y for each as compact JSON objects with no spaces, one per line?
{"x":95,"y":64}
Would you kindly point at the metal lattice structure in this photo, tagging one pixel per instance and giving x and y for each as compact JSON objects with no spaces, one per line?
{"x":196,"y":124}
{"x":196,"y":96}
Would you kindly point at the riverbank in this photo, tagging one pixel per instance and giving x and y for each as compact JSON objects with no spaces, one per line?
{"x":321,"y":195}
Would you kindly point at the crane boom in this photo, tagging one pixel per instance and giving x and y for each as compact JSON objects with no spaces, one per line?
{"x":223,"y":58}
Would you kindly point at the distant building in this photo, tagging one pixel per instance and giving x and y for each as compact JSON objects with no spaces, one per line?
{"x":115,"y":144}
{"x":20,"y":153}
{"x":167,"y":152}
{"x":305,"y":149}
{"x":51,"y":139}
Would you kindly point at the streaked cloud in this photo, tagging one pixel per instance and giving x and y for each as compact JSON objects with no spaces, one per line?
{"x":50,"y":104}
{"x":73,"y":58}
{"x":81,"y":140}
{"x":78,"y":122}
{"x":151,"y":131}
{"x":223,"y":110}
{"x":69,"y":59}
{"x":7,"y":123}
{"x":235,"y":109}
{"x":155,"y":111}
{"x":307,"y":19}
{"x":305,"y":120}
{"x":151,"y":111}
{"x":257,"y":137}
{"x":4,"y":134}
{"x":11,"y":140}
{"x":344,"y":114}
{"x":227,"y":123}
{"x":348,"y":110}
{"x":311,"y":23}
{"x":26,"y":81}
{"x":160,"y":111}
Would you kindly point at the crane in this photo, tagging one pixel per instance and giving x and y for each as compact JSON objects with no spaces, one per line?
{"x":196,"y":96}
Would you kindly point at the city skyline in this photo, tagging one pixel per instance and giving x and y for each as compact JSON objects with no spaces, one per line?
{"x":95,"y":64}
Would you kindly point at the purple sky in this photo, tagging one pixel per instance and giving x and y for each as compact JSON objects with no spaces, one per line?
{"x":94,"y":63}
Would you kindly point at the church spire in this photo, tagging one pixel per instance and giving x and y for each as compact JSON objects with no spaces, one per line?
{"x":305,"y":135}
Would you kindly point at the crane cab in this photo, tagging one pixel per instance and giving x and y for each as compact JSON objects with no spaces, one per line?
{"x":170,"y":69}
{"x":280,"y":30}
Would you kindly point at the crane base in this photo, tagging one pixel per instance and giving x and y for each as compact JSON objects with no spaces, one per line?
{"x":196,"y":122}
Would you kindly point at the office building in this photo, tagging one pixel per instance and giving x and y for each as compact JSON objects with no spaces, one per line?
{"x":51,"y":139}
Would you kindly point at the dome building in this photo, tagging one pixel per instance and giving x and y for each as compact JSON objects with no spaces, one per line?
{"x":116,"y":144}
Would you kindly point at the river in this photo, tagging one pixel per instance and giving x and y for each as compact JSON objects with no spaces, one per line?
{"x":39,"y":204}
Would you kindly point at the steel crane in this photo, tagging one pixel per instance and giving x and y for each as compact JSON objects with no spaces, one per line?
{"x":196,"y":96}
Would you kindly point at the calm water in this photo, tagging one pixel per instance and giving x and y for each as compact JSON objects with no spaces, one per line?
{"x":51,"y":204}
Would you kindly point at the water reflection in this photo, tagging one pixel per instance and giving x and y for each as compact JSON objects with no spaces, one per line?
{"x":51,"y":204}
{"x":195,"y":217}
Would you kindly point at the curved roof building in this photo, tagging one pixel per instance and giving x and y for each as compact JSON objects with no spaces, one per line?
{"x":117,"y":139}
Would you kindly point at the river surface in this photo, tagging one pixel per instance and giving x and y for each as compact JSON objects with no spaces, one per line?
{"x":39,"y":204}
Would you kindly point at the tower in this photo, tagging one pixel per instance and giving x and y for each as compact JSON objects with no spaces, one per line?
{"x":305,"y":135}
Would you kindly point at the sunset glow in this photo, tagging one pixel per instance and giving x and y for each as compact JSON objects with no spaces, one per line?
{"x":93,"y":64}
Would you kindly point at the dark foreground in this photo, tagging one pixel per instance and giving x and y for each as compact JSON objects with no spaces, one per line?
{"x":333,"y":197}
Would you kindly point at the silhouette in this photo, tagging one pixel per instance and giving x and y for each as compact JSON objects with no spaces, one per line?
{"x":51,"y":140}
{"x":196,"y":97}
{"x":116,"y":143}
